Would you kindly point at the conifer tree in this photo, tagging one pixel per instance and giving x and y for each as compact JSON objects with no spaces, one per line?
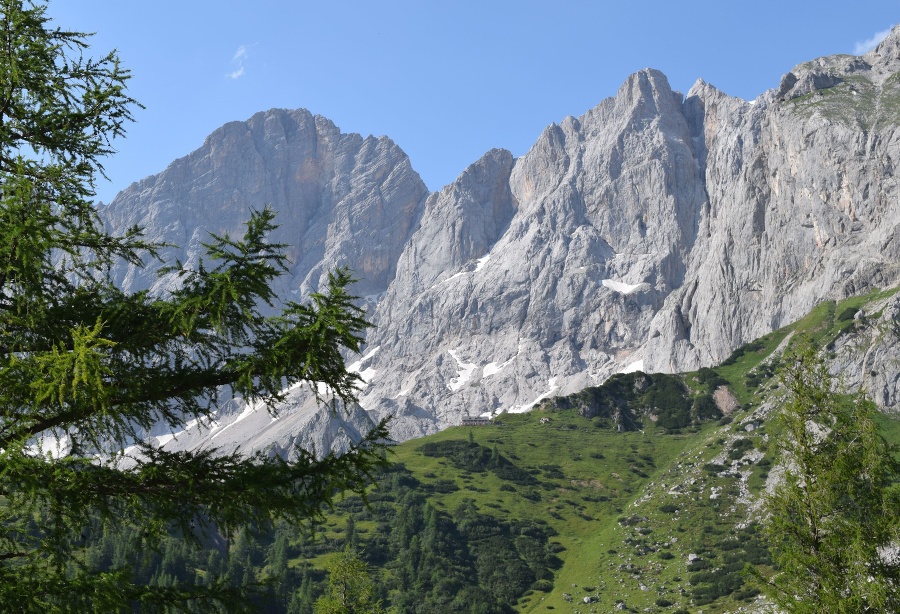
{"x":834,"y":518}
{"x":86,"y":368}
{"x":351,"y":589}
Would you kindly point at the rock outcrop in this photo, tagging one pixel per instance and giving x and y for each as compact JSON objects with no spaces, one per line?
{"x":595,"y":224}
{"x":658,"y":231}
{"x":867,"y":356}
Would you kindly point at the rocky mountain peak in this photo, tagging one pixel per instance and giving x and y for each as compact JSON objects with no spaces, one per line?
{"x":875,"y":67}
{"x":885,"y":58}
{"x":648,"y":93}
{"x":341,"y":199}
{"x":706,"y":92}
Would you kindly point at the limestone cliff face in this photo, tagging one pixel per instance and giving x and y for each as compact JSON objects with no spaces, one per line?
{"x":656,"y":231}
{"x":802,"y":205}
{"x":868,"y":355}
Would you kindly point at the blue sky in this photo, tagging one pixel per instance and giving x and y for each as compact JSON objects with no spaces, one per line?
{"x":447,"y":81}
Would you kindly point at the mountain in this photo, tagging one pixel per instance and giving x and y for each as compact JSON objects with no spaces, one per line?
{"x":656,"y":232}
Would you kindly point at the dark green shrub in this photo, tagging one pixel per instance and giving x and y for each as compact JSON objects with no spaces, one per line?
{"x":663,"y":603}
{"x":746,"y":594}
{"x":705,"y":408}
{"x":848,"y":314}
{"x":445,"y":486}
{"x":753,"y":346}
{"x":545,"y":586}
{"x":697,"y":565}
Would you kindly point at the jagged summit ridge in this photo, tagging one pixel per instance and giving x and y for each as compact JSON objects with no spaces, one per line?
{"x":656,"y":231}
{"x":341,"y":199}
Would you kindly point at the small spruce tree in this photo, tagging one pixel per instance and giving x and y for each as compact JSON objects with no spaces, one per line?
{"x":351,"y":589}
{"x":834,"y":517}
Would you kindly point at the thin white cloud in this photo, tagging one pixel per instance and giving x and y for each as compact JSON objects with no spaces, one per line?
{"x":240,"y":53}
{"x":870,"y":43}
{"x":239,"y":62}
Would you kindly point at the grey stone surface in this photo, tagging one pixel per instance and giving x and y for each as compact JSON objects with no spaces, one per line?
{"x":868,"y":357}
{"x":341,"y":200}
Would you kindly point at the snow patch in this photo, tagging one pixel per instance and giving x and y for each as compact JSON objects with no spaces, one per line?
{"x":464,"y":373}
{"x":356,"y":366}
{"x":324,"y":390}
{"x":492,"y":368}
{"x":249,"y":411}
{"x":212,"y":426}
{"x":408,"y":384}
{"x":191,"y":424}
{"x":460,"y":274}
{"x":365,"y":374}
{"x":637,"y":365}
{"x":552,"y":388}
{"x":162,"y":440}
{"x":479,"y":264}
{"x":620,"y":286}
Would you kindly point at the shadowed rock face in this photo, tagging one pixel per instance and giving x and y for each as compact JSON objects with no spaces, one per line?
{"x":656,"y":231}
